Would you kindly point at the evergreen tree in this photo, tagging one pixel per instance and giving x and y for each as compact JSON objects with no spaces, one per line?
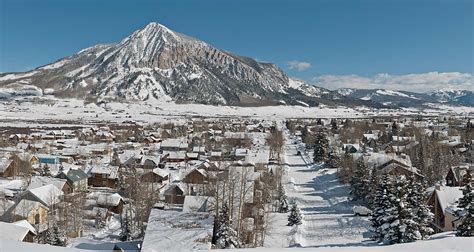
{"x":423,"y":215}
{"x":380,"y":203}
{"x":373,"y":183}
{"x":360,"y":182}
{"x":226,"y":236}
{"x":465,"y":214}
{"x":295,"y":217}
{"x":282,"y":200}
{"x":320,"y":148}
{"x":399,"y":224}
{"x":55,"y":237}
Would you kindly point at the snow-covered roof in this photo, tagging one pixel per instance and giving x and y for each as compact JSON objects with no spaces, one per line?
{"x":112,"y":171}
{"x":171,"y":230}
{"x":48,"y":194}
{"x":160,"y":172}
{"x":448,"y":196}
{"x":174,"y":143}
{"x":10,"y":231}
{"x":4,"y":163}
{"x":39,"y":181}
{"x":109,"y":199}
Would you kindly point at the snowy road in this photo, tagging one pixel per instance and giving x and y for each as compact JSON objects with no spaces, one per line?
{"x":328,"y":217}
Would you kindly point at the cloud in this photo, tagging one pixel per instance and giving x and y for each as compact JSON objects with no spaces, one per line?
{"x":423,"y":82}
{"x":298,"y":65}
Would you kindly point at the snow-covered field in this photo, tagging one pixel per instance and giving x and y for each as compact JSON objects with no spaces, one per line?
{"x":70,"y":112}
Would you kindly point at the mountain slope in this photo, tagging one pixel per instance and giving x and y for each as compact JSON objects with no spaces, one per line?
{"x":155,"y":63}
{"x":388,"y":97}
{"x":461,"y":97}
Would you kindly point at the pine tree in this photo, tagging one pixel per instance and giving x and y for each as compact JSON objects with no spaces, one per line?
{"x":380,"y":203}
{"x":465,"y":214}
{"x":55,"y":237}
{"x":360,"y":182}
{"x":373,"y":183}
{"x":320,"y":148}
{"x":282,"y":200}
{"x":295,"y":217}
{"x":423,"y":215}
{"x":226,"y":236}
{"x":399,"y":218}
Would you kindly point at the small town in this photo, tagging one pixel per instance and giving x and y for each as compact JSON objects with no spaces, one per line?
{"x":243,"y":125}
{"x":220,"y":182}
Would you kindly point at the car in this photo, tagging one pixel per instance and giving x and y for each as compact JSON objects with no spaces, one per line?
{"x":361,"y":211}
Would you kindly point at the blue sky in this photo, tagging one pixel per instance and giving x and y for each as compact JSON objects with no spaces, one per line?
{"x":308,"y":39}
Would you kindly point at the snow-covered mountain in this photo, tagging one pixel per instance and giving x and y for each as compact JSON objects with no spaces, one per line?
{"x":158,"y":63}
{"x":461,"y":97}
{"x":388,"y":97}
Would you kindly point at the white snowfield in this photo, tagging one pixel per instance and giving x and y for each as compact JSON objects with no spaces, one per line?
{"x":48,"y":110}
{"x":443,"y":242}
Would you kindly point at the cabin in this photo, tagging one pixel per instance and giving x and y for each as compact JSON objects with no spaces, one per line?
{"x":103,"y":176}
{"x":443,"y":202}
{"x":113,"y":202}
{"x":157,"y":175}
{"x":7,"y":168}
{"x":175,"y":194}
{"x":196,"y":176}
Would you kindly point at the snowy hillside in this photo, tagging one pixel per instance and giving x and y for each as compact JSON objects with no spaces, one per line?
{"x":462,"y":97}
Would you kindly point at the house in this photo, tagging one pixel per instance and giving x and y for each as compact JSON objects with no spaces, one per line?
{"x":443,"y":201}
{"x":113,"y":202}
{"x":48,"y":159}
{"x":76,"y":178}
{"x":7,"y":168}
{"x":195,"y":176}
{"x":174,"y":156}
{"x":33,"y":211}
{"x":173,"y":144}
{"x":456,"y":174}
{"x":175,"y":194}
{"x":19,"y":231}
{"x":351,"y":148}
{"x":157,"y":175}
{"x":103,"y":176}
{"x":39,"y":181}
{"x":48,"y":195}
